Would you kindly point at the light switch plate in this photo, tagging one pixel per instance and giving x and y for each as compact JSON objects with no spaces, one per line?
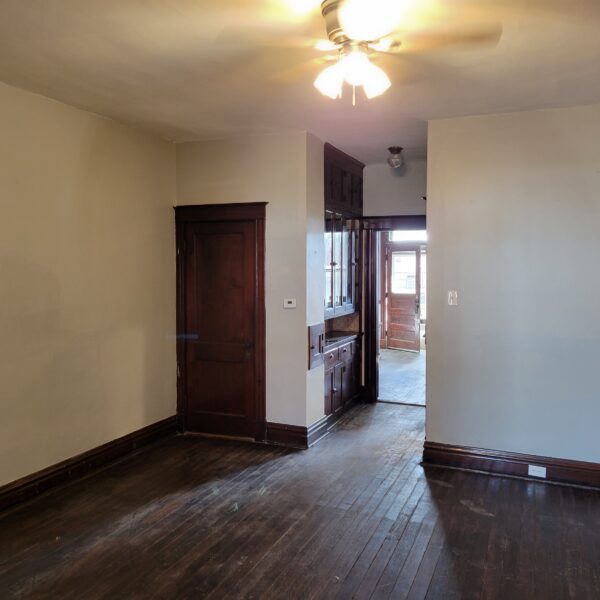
{"x":289,"y":303}
{"x":452,"y":298}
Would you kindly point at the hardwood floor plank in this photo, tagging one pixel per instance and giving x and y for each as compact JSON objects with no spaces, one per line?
{"x":356,"y":516}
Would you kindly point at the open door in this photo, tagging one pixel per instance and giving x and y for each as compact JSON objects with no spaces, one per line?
{"x":402,"y":297}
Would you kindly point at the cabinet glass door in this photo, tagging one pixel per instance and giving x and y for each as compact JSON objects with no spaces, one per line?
{"x":346,"y":266}
{"x":337,"y":263}
{"x":352,"y":268}
{"x":329,"y":227}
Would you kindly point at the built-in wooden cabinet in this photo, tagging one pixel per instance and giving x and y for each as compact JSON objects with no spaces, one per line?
{"x":343,"y":203}
{"x":342,"y":372}
{"x":341,"y":353}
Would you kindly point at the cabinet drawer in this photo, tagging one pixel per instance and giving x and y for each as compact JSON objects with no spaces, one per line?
{"x":347,"y":351}
{"x":332,"y":358}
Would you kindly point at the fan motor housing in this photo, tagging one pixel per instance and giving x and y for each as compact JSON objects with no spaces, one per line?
{"x":329,"y":9}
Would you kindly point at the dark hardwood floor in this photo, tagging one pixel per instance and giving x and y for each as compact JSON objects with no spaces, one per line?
{"x":354,"y":517}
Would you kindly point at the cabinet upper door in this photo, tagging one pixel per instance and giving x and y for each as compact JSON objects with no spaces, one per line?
{"x":329,"y":267}
{"x":338,"y":261}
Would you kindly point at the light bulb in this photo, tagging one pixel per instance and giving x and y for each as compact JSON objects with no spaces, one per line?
{"x":355,"y":67}
{"x":330,"y":81}
{"x":370,"y":20}
{"x":376,"y":82}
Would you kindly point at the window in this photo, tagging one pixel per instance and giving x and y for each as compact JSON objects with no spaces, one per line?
{"x":404,"y":272}
{"x":408,"y":236}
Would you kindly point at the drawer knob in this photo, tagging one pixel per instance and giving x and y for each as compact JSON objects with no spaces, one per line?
{"x":331,"y":355}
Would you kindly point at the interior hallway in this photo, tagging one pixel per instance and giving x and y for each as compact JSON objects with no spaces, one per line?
{"x":402,"y":376}
{"x":354,"y":517}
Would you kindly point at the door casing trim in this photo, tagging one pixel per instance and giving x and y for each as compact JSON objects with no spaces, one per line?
{"x":252,"y":211}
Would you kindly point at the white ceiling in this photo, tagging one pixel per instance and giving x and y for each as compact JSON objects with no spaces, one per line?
{"x":179,"y":67}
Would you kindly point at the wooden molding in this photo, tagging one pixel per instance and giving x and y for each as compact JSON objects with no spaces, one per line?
{"x":293,"y":436}
{"x":511,"y":463}
{"x":80,"y":465}
{"x":393,"y":223}
{"x":249,"y":211}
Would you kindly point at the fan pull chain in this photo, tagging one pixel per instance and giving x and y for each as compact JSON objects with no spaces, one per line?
{"x":353,"y":95}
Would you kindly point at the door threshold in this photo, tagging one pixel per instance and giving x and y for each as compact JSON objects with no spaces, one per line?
{"x":401,"y":403}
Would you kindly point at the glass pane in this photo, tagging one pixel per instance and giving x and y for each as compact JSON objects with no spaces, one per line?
{"x":352,"y":249}
{"x":408,"y":236}
{"x":423,"y":285}
{"x":328,"y":259}
{"x":345,"y":263}
{"x":404,"y":272}
{"x":337,"y":261}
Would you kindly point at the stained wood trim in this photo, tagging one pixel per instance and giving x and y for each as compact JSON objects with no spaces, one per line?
{"x":293,"y":436}
{"x":221,"y":212}
{"x":511,"y":463}
{"x":320,"y":429}
{"x":394,"y":223}
{"x":371,"y":328}
{"x":82,"y":464}
{"x":251,"y":211}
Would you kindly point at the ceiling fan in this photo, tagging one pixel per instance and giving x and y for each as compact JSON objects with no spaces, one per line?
{"x":360,"y":29}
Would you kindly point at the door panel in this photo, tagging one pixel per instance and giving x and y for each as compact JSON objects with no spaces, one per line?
{"x":220,"y":321}
{"x":336,"y":396}
{"x":403,"y":285}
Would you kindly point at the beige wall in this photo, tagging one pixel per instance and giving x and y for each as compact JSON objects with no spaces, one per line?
{"x":273,"y":169}
{"x":514,"y":222}
{"x":87,"y":306}
{"x":315,"y":274}
{"x":395,"y":192}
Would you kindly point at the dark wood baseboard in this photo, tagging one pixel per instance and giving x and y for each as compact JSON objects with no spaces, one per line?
{"x":319,"y":429}
{"x":295,"y":436}
{"x":497,"y":462}
{"x":80,"y":465}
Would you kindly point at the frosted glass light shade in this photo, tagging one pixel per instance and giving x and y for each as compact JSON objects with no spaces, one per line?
{"x":377,"y":82}
{"x":355,"y":67}
{"x":330,"y":81}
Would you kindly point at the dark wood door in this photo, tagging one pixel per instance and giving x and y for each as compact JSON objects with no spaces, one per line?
{"x":221,"y":326}
{"x":403,"y":318}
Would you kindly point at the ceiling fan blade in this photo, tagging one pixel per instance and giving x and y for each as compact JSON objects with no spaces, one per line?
{"x":567,"y":8}
{"x":426,"y":41}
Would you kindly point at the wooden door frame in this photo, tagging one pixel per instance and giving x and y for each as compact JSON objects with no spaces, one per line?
{"x":206,"y":213}
{"x":372,"y":225}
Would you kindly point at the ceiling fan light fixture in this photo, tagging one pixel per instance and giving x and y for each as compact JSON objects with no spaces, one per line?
{"x":330,"y":81}
{"x":356,"y":67}
{"x":376,"y":83}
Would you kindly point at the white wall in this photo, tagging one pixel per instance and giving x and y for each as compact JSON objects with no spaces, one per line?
{"x":395,"y":192}
{"x":87,"y":276}
{"x":514,"y":222}
{"x":273,"y":169}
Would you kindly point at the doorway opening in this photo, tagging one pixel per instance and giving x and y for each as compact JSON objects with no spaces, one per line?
{"x":402,"y":316}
